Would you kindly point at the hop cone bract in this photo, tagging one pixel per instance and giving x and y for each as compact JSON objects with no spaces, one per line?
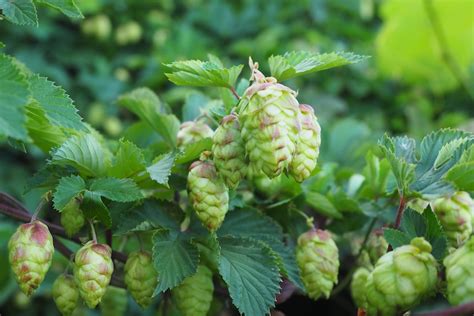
{"x":455,"y":215}
{"x":30,"y":253}
{"x":208,"y":193}
{"x":141,"y":277}
{"x":93,"y":269}
{"x":191,"y":132}
{"x":401,"y":278}
{"x":114,"y":302}
{"x":460,"y":274}
{"x":359,"y":280}
{"x":65,"y":294}
{"x":229,"y":151}
{"x":307,"y":145}
{"x":194,"y":296}
{"x":72,"y":218}
{"x":318,"y":259}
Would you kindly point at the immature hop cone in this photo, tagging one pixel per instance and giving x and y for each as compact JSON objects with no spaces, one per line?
{"x":307,"y":145}
{"x":455,"y":215}
{"x":460,"y":274}
{"x":72,"y":218}
{"x":359,"y":280}
{"x":30,"y":252}
{"x":114,"y":302}
{"x":208,"y":193}
{"x":229,"y":151}
{"x":193,"y":297}
{"x":269,"y":113}
{"x":191,"y":132}
{"x":65,"y":294}
{"x":93,"y":269}
{"x":401,"y":279}
{"x":318,"y":259}
{"x":141,"y":277}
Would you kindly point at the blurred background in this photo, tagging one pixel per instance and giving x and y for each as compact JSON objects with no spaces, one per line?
{"x":419,"y":78}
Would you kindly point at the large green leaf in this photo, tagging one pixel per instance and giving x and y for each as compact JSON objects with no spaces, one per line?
{"x":94,"y":208}
{"x":322,"y":204}
{"x":67,"y":189}
{"x":119,"y":190}
{"x":161,"y":169}
{"x":22,"y":12}
{"x":129,"y":161}
{"x":67,"y":7}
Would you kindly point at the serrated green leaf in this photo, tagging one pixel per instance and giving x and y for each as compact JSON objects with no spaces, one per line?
{"x":94,"y":208}
{"x":192,"y":151}
{"x":413,"y":224}
{"x":322,"y":204}
{"x":202,"y":74}
{"x":298,"y":63}
{"x":161,"y":169}
{"x":435,"y":234}
{"x":83,"y":152}
{"x":129,"y":161}
{"x":447,"y":151}
{"x":22,"y":12}
{"x":462,"y":176}
{"x":251,"y":274}
{"x":174,"y":259}
{"x":57,"y":105}
{"x":67,"y":7}
{"x":395,"y":237}
{"x":147,"y":106}
{"x":120,"y":190}
{"x":47,"y":178}
{"x":67,"y":189}
{"x":13,"y":99}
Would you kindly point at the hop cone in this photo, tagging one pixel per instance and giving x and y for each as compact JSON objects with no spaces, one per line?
{"x":30,"y":253}
{"x":208,"y":193}
{"x":269,"y":113}
{"x":376,"y":247}
{"x":229,"y":151}
{"x":194,"y":296}
{"x":191,"y":132}
{"x":307,"y":146}
{"x":455,"y":215}
{"x":114,"y":302}
{"x":141,"y":277}
{"x":359,"y":279}
{"x":460,"y":274}
{"x":65,"y":294}
{"x":401,"y":278}
{"x":72,"y":218}
{"x":92,"y":271}
{"x":318,"y":259}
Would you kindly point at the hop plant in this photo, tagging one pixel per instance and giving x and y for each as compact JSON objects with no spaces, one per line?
{"x":191,"y":132}
{"x":72,"y":218}
{"x":307,"y":145}
{"x":455,"y":215}
{"x":141,"y":277}
{"x":359,"y":280}
{"x":30,"y":253}
{"x":208,"y":192}
{"x":318,"y":259}
{"x":269,"y":113}
{"x":460,"y":274}
{"x":65,"y":294}
{"x":401,"y":278}
{"x":93,"y":269}
{"x":376,"y":247}
{"x":114,"y":302}
{"x":229,"y":151}
{"x":194,"y":296}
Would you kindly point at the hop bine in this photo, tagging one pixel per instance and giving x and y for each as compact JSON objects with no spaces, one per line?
{"x":141,"y":277}
{"x":30,"y":253}
{"x":65,"y":294}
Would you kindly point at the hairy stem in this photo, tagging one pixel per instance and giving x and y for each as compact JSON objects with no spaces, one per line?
{"x":398,"y":220}
{"x":234,"y":92}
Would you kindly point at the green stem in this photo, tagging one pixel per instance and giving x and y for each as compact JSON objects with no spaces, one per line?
{"x":44,"y":202}
{"x":309,"y":219}
{"x":94,"y":235}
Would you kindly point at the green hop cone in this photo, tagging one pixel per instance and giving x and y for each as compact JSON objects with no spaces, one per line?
{"x":307,"y":146}
{"x":194,"y":296}
{"x":141,"y":277}
{"x":229,"y":151}
{"x":114,"y":302}
{"x":269,"y":113}
{"x":460,"y":274}
{"x":93,"y":269}
{"x":376,"y":247}
{"x":65,"y":294}
{"x":401,"y":279}
{"x":191,"y":132}
{"x":359,"y":280}
{"x":208,"y":192}
{"x":30,"y":253}
{"x":318,"y":259}
{"x":455,"y":215}
{"x":72,"y":218}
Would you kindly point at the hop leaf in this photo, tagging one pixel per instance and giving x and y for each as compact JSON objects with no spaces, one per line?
{"x":93,"y":269}
{"x":114,"y":302}
{"x":30,"y":253}
{"x":65,"y":294}
{"x":141,"y":277}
